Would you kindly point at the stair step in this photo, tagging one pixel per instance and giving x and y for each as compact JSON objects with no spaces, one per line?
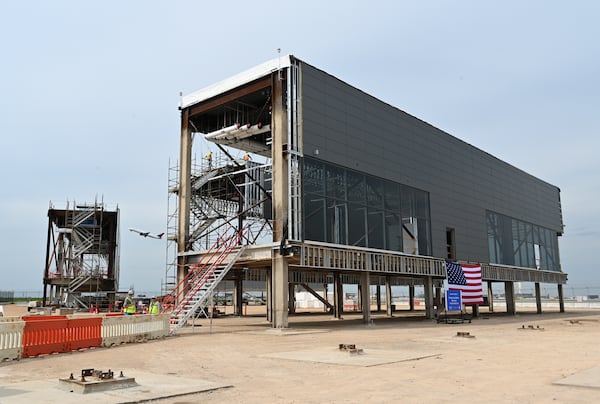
{"x":204,"y":283}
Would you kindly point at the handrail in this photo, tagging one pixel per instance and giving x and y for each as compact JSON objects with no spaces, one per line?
{"x":173,"y":296}
{"x":206,"y":273}
{"x":220,"y":249}
{"x":200,"y":298}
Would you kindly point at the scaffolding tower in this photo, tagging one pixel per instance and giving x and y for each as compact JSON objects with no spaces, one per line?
{"x":82,"y":255}
{"x":228,"y":195}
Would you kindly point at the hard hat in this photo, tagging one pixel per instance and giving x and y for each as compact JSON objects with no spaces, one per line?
{"x":130,"y":292}
{"x":154,"y":297}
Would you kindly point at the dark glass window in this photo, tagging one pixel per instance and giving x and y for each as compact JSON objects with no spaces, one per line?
{"x":494,"y":238}
{"x":357,"y":221}
{"x":374,"y":192}
{"x":343,"y":206}
{"x":375,"y":228}
{"x":408,"y":203}
{"x":356,"y":187}
{"x":336,"y":222}
{"x":392,"y":196}
{"x":514,"y":242}
{"x":313,"y":177}
{"x":393,"y":231}
{"x":422,"y":205}
{"x":336,"y":182}
{"x":424,"y":237}
{"x":314,"y":217}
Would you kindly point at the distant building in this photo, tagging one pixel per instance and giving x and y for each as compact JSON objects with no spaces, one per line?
{"x":346,"y":188}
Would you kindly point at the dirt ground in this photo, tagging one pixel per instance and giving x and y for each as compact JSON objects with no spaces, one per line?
{"x":405,"y":359}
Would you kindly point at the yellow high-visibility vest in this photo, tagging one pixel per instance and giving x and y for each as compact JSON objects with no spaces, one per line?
{"x":129,"y":305}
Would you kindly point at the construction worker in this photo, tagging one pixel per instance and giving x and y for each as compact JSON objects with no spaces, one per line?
{"x":208,"y":158}
{"x":247,"y":157}
{"x":154,"y":306}
{"x":129,"y":304}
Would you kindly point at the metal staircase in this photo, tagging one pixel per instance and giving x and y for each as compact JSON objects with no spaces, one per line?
{"x":229,"y":195}
{"x":204,"y":215}
{"x":71,"y":296}
{"x":82,"y":256}
{"x":193,"y":292}
{"x":202,"y":227}
{"x":205,"y":209}
{"x":199,"y":181}
{"x":77,"y":217}
{"x":84,"y":240}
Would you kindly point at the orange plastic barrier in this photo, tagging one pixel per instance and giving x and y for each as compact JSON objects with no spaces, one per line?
{"x":43,"y":335}
{"x":84,"y":333}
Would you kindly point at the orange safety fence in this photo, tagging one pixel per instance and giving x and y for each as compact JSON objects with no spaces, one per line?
{"x":43,"y":335}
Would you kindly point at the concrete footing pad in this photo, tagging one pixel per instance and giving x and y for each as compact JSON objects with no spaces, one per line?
{"x":96,"y":386}
{"x":149,"y":387}
{"x":587,"y":378}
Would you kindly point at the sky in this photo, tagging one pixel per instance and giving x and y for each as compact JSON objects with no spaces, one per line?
{"x":89,"y":94}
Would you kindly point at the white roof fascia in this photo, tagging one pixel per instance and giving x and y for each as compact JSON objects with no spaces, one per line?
{"x":239,"y":79}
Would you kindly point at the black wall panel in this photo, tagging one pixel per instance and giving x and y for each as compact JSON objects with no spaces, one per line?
{"x":346,"y":126}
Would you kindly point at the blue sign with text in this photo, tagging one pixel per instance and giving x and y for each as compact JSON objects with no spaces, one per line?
{"x":453,"y":300}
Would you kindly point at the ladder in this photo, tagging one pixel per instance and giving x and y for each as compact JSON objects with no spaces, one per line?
{"x":194,"y":290}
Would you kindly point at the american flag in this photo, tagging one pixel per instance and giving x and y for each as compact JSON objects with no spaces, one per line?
{"x":466,"y":278}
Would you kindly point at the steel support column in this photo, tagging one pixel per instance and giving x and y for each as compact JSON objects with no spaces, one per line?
{"x":509,"y":297}
{"x":388,"y":296}
{"x":338,"y":295}
{"x":238,"y":299}
{"x":365,"y":296}
{"x":268,"y":286}
{"x":428,"y":292}
{"x":280,"y":201}
{"x":437,"y":298}
{"x":490,"y":294}
{"x":291,"y":298}
{"x":538,"y":298}
{"x":185,"y":173}
{"x":561,"y":299}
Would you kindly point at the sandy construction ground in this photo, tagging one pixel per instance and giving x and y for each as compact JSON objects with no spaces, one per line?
{"x":527,"y":358}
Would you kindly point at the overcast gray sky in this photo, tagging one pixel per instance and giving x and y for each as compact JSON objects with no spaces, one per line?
{"x":89,"y":94}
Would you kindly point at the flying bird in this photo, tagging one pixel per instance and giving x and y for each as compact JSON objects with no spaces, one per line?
{"x":146,"y":233}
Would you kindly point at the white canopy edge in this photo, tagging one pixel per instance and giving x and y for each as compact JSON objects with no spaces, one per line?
{"x":239,"y":79}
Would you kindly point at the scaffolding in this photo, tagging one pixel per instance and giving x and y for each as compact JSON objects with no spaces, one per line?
{"x":82,"y":256}
{"x":228,"y":194}
{"x":170,"y":280}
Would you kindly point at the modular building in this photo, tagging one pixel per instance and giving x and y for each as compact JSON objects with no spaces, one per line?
{"x":336,"y":186}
